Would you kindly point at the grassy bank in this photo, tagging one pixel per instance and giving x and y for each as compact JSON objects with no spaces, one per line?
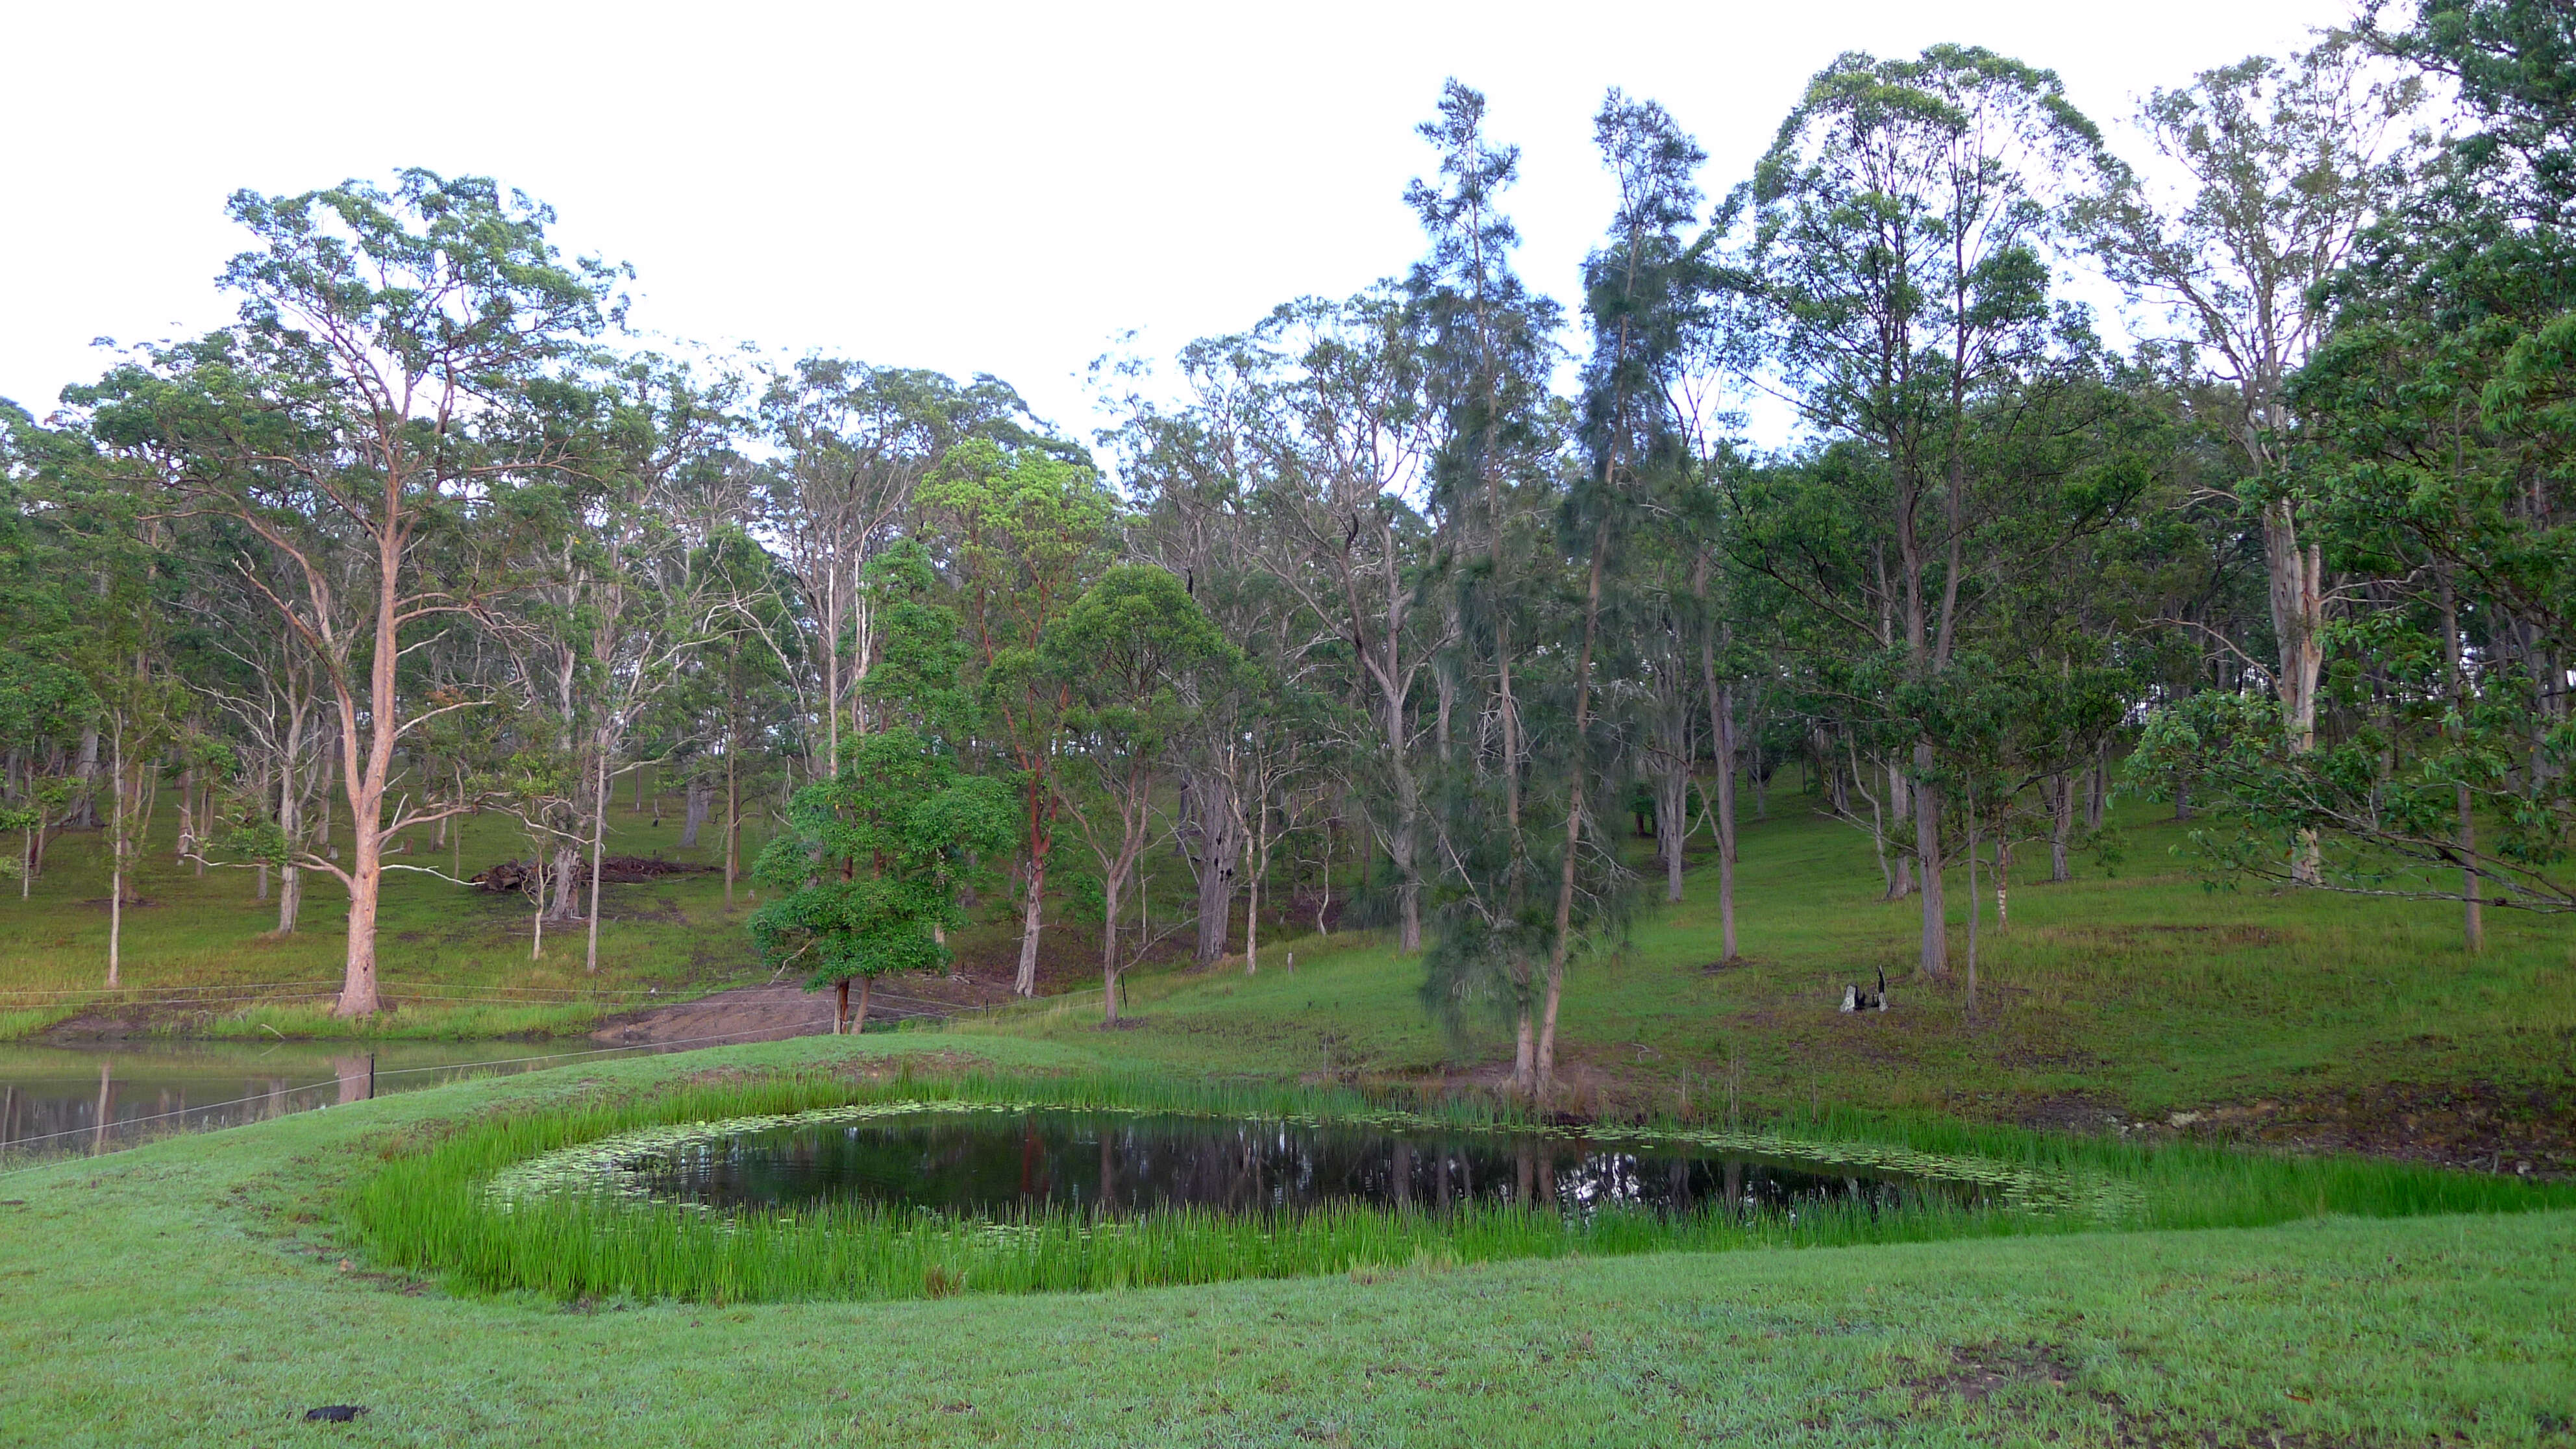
{"x":431,"y":1211}
{"x":192,"y":1293}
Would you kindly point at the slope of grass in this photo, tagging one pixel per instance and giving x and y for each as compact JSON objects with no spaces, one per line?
{"x":2128,"y":996}
{"x":194,"y":1292}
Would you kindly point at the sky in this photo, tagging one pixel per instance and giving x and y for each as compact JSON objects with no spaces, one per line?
{"x":1003,"y":189}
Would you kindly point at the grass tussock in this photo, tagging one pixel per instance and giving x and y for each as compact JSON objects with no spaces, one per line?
{"x":428,"y":1210}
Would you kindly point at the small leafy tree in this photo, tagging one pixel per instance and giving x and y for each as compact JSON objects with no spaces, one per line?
{"x":1141,"y":661}
{"x":868,"y":870}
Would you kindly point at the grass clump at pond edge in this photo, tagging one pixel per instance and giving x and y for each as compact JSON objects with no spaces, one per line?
{"x":431,"y":1211}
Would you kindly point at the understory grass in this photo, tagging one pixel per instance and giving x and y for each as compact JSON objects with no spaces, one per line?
{"x":430,"y":1210}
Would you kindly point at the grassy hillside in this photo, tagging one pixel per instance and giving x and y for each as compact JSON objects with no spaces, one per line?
{"x":200,"y":956}
{"x":2110,"y":999}
{"x":192,"y":1293}
{"x":2115,"y":999}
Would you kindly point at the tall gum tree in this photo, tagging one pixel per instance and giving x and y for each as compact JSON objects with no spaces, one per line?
{"x":1140,"y":662}
{"x":1023,"y":535}
{"x":2282,"y":166}
{"x":1343,"y":436}
{"x":1895,"y":249}
{"x":392,"y":350}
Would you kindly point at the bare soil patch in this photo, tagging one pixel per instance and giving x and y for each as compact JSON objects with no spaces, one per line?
{"x":775,"y":1011}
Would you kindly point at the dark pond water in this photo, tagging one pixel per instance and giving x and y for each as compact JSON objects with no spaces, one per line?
{"x":990,"y":1164}
{"x":99,"y":1098}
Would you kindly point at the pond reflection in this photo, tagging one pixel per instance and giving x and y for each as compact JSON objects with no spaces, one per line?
{"x":99,"y":1098}
{"x":986,"y":1164}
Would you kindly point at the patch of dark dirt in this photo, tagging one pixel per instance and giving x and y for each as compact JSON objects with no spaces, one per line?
{"x":93,"y":1026}
{"x":2067,"y":1112}
{"x":2475,"y":1126}
{"x":1992,"y":1379}
{"x":2035,"y":1057}
{"x":519,"y":876}
{"x":941,"y":1063}
{"x":2527,"y":1131}
{"x":1979,"y":1371}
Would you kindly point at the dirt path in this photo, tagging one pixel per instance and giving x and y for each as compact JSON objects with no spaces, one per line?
{"x":771,"y":1013}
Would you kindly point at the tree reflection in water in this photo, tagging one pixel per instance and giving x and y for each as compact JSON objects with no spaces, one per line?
{"x":991,"y":1164}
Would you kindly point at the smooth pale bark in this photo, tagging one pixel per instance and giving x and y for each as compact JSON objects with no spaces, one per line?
{"x":1935,"y":958}
{"x":1252,"y":926}
{"x":85,"y":809}
{"x":1032,"y":919}
{"x":1721,"y":727}
{"x":1672,"y":822}
{"x":537,"y":934}
{"x":598,"y":844}
{"x":116,"y":868}
{"x":733,"y":808}
{"x":2473,"y":930}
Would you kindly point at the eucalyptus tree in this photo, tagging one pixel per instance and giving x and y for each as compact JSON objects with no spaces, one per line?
{"x":737,"y":696}
{"x":2286,"y":164}
{"x":1343,"y":435}
{"x":116,"y":548}
{"x":46,"y":705}
{"x":1020,"y":535}
{"x":652,"y":598}
{"x":1140,"y":663}
{"x":274,"y":694}
{"x":1193,"y":469}
{"x":393,"y":349}
{"x":1894,"y":253}
{"x":2434,"y":452}
{"x":853,"y":443}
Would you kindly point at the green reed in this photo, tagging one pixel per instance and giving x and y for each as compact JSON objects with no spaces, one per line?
{"x":428,"y":1209}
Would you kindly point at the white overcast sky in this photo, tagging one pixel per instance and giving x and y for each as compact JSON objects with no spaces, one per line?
{"x":972,"y":188}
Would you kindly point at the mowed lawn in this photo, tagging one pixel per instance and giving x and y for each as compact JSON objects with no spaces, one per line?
{"x":191,"y":1293}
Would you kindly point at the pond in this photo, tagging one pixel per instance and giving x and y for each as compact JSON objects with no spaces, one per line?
{"x":103,"y":1096}
{"x":990,"y":1164}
